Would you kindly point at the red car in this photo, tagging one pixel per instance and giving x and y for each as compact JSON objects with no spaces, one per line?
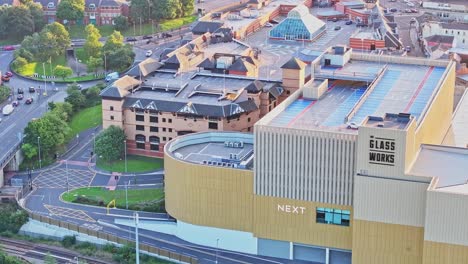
{"x":6,"y":48}
{"x":9,"y":74}
{"x":5,"y":78}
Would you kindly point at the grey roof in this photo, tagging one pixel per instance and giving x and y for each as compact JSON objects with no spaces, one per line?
{"x":441,"y":39}
{"x":255,"y":87}
{"x":449,"y":164}
{"x":203,"y":27}
{"x":111,"y":92}
{"x":459,"y":26}
{"x":276,"y":91}
{"x":294,"y":64}
{"x":164,"y":53}
{"x":110,"y":3}
{"x":206,"y":64}
{"x":45,"y":2}
{"x":191,"y":108}
{"x":239,"y":65}
{"x":173,"y":59}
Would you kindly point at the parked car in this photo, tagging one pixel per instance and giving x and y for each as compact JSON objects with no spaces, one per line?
{"x":112,"y":76}
{"x":15,"y":104}
{"x":408,"y":48}
{"x":166,"y":35}
{"x":337,"y":28}
{"x":9,"y":74}
{"x":268,"y":24}
{"x":32,"y":89}
{"x":147,"y":37}
{"x":5,"y":78}
{"x":360,"y":24}
{"x":414,"y":10}
{"x":6,"y":48}
{"x":407,"y":10}
{"x":29,"y":101}
{"x":20,"y":97}
{"x":335,"y":19}
{"x":410,"y":4}
{"x":130,"y":39}
{"x":352,"y":125}
{"x":149,"y":53}
{"x":349,"y":22}
{"x":8,"y":109}
{"x":393,"y":10}
{"x":20,"y":91}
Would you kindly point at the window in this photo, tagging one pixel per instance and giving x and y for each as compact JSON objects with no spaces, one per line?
{"x":332,"y":216}
{"x":111,"y":108}
{"x":169,"y":120}
{"x":164,"y":119}
{"x":170,"y":129}
{"x":153,"y":119}
{"x":140,"y":118}
{"x":154,"y":129}
{"x":140,"y":145}
{"x":140,"y":128}
{"x":248,"y":129}
{"x":164,"y":138}
{"x":112,"y":117}
{"x":164,"y":129}
{"x":154,"y":147}
{"x":212,"y":125}
{"x":248,"y":119}
{"x":170,"y":138}
{"x":140,"y":138}
{"x":288,"y":92}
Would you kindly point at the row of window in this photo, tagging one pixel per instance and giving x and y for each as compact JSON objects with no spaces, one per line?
{"x":153,"y":119}
{"x":332,"y":216}
{"x":153,"y":129}
{"x":458,"y":32}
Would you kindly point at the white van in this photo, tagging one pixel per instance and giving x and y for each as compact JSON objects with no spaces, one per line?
{"x":112,"y":76}
{"x":410,"y":4}
{"x":7,"y":109}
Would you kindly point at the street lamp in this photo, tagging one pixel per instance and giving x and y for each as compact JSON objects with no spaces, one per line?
{"x":137,"y":250}
{"x":125,"y":151}
{"x":45,"y":82}
{"x":39,"y":147}
{"x":126,"y":194}
{"x":217,"y":247}
{"x":66,"y":168}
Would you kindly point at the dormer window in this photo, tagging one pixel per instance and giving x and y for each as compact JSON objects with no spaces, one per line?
{"x":92,"y":6}
{"x":50,"y":5}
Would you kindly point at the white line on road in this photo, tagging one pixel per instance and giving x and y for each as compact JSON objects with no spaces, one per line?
{"x":7,"y":129}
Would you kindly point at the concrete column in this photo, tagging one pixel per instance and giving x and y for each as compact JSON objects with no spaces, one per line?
{"x":291,"y":250}
{"x":327,"y":256}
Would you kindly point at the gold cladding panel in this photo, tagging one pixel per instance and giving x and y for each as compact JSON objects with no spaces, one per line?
{"x":208,"y":195}
{"x":382,"y":243}
{"x":271,"y":223}
{"x":442,"y":253}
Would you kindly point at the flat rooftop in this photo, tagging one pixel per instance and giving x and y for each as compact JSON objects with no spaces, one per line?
{"x":401,"y":89}
{"x":204,"y":88}
{"x":221,"y":149}
{"x":232,"y":47}
{"x":449,"y":164}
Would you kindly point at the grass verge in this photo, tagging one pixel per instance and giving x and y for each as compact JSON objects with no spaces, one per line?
{"x":85,"y":119}
{"x":39,"y":67}
{"x":141,"y":199}
{"x":134,"y":164}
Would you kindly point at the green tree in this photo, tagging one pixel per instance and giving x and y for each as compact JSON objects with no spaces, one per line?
{"x":120,"y":58}
{"x":92,"y":45}
{"x":37,"y":15}
{"x":113,"y":42}
{"x":62,"y":71}
{"x":168,"y":9}
{"x":24,"y":53}
{"x":94,"y":64}
{"x":121,"y":23}
{"x":76,"y":99}
{"x":71,"y":10}
{"x":63,"y":110}
{"x":187,"y":7}
{"x":19,"y":63}
{"x":19,"y":22}
{"x":4,"y":92}
{"x":29,"y":151}
{"x":140,"y":10}
{"x":12,"y":218}
{"x":109,"y":143}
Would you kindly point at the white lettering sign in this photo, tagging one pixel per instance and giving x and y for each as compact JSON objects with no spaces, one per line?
{"x":291,"y":209}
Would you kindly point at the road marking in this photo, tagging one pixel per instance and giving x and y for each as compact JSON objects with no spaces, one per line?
{"x":69,"y":213}
{"x":7,"y":129}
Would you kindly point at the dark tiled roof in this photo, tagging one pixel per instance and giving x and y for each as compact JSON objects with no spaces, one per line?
{"x":239,"y":65}
{"x":276,"y":91}
{"x":459,"y":26}
{"x":110,"y":3}
{"x":206,"y":64}
{"x":440,"y":39}
{"x":294,"y":64}
{"x":255,"y":86}
{"x":173,"y":59}
{"x":196,"y":109}
{"x":166,"y":51}
{"x":204,"y":26}
{"x":111,"y":92}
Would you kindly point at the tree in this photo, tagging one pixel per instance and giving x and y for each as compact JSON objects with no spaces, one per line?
{"x":168,"y":9}
{"x":109,"y":143}
{"x":19,"y":63}
{"x":49,"y":259}
{"x":140,"y":10}
{"x":63,"y":71}
{"x":120,"y":58}
{"x":63,"y":110}
{"x":71,"y":10}
{"x":24,"y":53}
{"x":75,"y":98}
{"x":187,"y":7}
{"x":92,"y":45}
{"x":29,"y":151}
{"x":52,"y":41}
{"x":94,"y":64}
{"x":121,"y":23}
{"x":113,"y":42}
{"x":19,"y":22}
{"x":37,"y":15}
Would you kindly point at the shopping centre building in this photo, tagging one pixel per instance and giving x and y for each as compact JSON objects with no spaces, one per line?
{"x":349,"y":168}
